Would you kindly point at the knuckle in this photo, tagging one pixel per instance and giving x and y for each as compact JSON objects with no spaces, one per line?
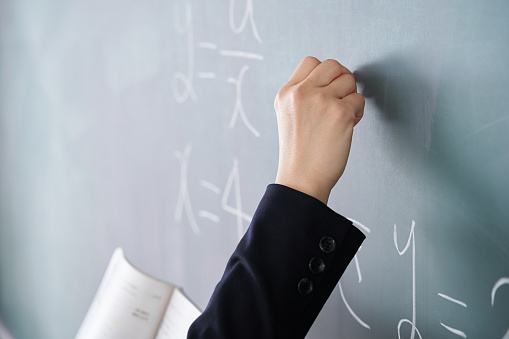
{"x":292,"y":95}
{"x":310,"y":59}
{"x":280,"y":96}
{"x":332,"y":62}
{"x":302,"y":95}
{"x":299,"y":92}
{"x":321,"y":97}
{"x":362,"y":100}
{"x":349,"y":80}
{"x":281,"y":92}
{"x":344,"y":113}
{"x":333,"y":65}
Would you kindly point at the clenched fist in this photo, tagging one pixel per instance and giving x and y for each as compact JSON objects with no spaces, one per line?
{"x":316,"y":110}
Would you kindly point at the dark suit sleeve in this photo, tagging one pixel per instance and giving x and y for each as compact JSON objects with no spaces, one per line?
{"x":283,"y":270}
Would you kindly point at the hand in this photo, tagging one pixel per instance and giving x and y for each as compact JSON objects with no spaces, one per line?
{"x":316,"y":110}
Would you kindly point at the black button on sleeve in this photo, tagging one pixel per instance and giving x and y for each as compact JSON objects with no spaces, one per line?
{"x":327,"y":244}
{"x":305,"y":286}
{"x":316,"y":265}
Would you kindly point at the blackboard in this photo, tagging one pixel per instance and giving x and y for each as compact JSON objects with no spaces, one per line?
{"x":149,"y":125}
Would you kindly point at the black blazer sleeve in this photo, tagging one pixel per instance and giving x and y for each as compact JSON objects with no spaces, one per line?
{"x":282,"y":271}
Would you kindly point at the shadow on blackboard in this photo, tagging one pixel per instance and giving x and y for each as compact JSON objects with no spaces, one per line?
{"x":403,"y":95}
{"x":425,"y":121}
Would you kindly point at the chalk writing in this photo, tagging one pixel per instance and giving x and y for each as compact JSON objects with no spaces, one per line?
{"x":206,"y":214}
{"x":248,"y":15}
{"x":184,"y":201}
{"x":449,"y":328}
{"x":232,"y":189}
{"x":186,"y":79}
{"x":498,"y":284}
{"x":356,"y":259}
{"x":233,"y":180}
{"x":359,"y":275}
{"x":454,"y":330}
{"x":355,"y":316}
{"x":238,"y":108}
{"x":461,"y":303}
{"x":411,"y":238}
{"x":206,"y":75}
{"x":230,"y":53}
{"x":207,"y":45}
{"x":241,"y":54}
{"x":360,"y":225}
{"x":209,"y":215}
{"x":210,"y":186}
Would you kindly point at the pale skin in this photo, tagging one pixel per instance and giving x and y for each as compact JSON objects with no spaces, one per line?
{"x":316,"y":111}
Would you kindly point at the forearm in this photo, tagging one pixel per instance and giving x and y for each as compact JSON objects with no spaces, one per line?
{"x":261,"y":294}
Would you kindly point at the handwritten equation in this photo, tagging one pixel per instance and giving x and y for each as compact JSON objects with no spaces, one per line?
{"x":182,"y":82}
{"x":413,"y":321}
{"x":231,"y":187}
{"x":184,"y":90}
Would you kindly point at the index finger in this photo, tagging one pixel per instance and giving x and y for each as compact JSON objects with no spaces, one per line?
{"x":327,"y":72}
{"x":306,"y":66}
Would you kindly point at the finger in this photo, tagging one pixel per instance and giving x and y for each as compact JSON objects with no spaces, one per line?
{"x":326,"y":72}
{"x":302,"y":71}
{"x":343,"y":86}
{"x":356,"y":102}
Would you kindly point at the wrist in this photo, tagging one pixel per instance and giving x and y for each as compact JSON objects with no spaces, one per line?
{"x":303,"y":185}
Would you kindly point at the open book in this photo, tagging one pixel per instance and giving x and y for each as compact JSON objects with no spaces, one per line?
{"x":132,"y":304}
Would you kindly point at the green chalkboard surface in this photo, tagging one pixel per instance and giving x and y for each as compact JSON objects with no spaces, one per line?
{"x":149,"y":125}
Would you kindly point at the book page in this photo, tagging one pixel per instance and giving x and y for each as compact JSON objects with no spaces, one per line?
{"x":4,"y":333}
{"x":179,"y":316}
{"x":128,"y":304}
